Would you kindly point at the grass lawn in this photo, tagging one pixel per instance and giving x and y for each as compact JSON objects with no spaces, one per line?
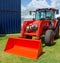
{"x":51,"y":55}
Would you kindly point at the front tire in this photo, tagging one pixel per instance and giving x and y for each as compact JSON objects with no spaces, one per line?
{"x":49,"y":37}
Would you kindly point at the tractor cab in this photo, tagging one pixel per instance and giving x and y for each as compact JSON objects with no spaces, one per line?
{"x":45,"y":13}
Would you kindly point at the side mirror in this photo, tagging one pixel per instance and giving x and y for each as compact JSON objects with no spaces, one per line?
{"x":30,"y":12}
{"x":57,"y":11}
{"x":58,"y":18}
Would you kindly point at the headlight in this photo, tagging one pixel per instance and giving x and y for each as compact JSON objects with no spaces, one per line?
{"x":28,"y":29}
{"x":31,"y":28}
{"x":34,"y":26}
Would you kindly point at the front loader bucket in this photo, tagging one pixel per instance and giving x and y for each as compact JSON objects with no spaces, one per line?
{"x":24,"y":47}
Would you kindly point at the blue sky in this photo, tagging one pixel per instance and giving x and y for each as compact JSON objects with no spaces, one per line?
{"x":26,"y":2}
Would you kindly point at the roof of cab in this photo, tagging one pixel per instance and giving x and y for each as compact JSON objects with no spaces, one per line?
{"x":47,"y":9}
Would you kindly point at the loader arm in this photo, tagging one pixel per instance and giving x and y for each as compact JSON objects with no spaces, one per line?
{"x":25,"y":24}
{"x":55,"y":23}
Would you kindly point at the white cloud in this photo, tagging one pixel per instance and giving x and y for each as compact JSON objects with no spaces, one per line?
{"x":34,"y":4}
{"x":55,"y":3}
{"x":23,"y":8}
{"x":37,"y":4}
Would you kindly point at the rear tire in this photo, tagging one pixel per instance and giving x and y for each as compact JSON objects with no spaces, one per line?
{"x":49,"y":37}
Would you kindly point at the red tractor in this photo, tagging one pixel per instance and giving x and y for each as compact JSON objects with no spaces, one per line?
{"x":43,"y":25}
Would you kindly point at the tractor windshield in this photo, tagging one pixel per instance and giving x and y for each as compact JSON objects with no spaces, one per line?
{"x":39,"y":15}
{"x":50,"y":14}
{"x":44,"y":14}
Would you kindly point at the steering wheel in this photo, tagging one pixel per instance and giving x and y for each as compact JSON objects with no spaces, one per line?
{"x":48,"y":17}
{"x":42,"y":18}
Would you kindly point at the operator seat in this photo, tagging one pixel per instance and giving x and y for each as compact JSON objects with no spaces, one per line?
{"x":51,"y":23}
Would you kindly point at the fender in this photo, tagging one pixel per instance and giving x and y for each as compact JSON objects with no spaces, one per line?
{"x":55,"y":23}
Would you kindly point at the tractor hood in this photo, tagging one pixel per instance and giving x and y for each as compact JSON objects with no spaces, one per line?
{"x":35,"y":24}
{"x":32,"y":27}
